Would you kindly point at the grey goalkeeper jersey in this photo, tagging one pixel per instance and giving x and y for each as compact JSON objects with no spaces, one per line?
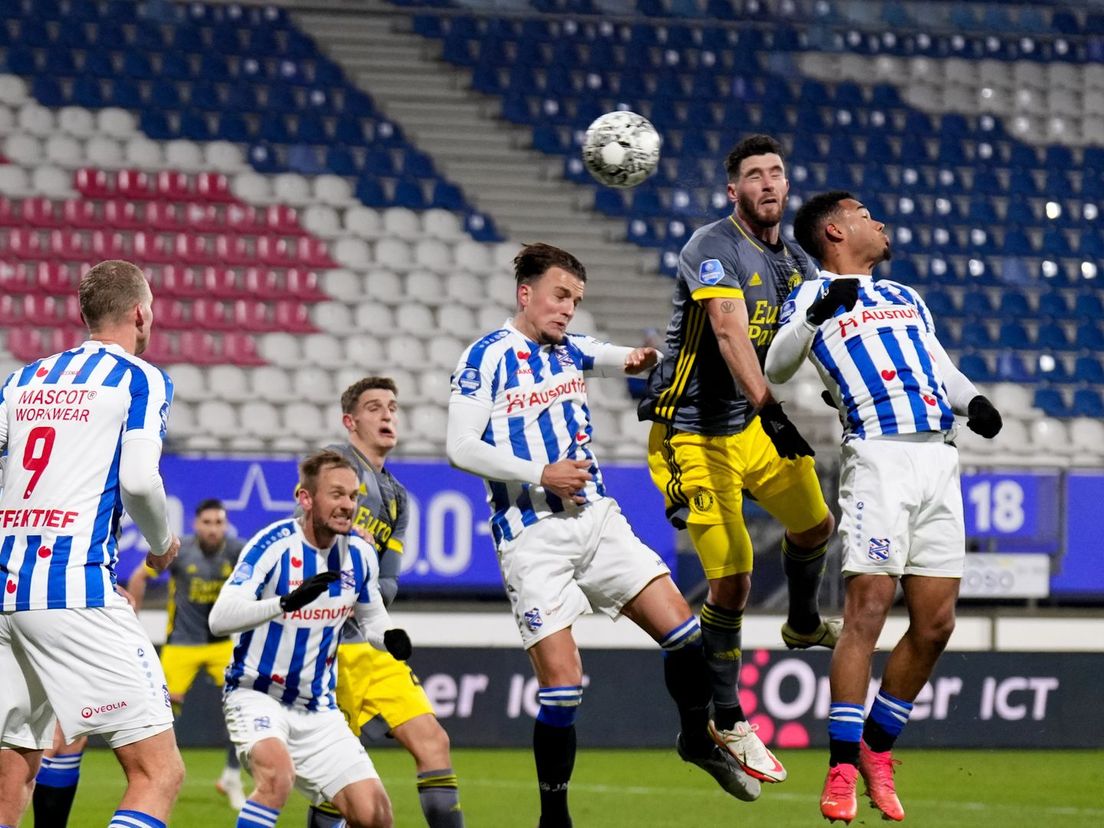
{"x":195,"y":579}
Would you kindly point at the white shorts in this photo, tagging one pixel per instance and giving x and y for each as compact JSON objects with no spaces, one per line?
{"x":573,"y":563}
{"x":97,"y":669}
{"x":326,"y":754}
{"x":901,"y":504}
{"x":23,"y":723}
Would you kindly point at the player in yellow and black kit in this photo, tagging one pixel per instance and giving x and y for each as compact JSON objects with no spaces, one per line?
{"x":718,"y":431}
{"x":371,"y":683}
{"x":205,"y":561}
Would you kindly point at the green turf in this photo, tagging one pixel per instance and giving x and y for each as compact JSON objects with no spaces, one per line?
{"x":619,"y":789}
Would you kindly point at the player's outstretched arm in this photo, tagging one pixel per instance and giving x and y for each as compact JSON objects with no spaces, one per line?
{"x":467,"y":421}
{"x":794,"y":337}
{"x":729,"y":318}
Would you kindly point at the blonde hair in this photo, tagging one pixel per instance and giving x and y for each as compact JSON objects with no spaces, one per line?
{"x":109,"y":290}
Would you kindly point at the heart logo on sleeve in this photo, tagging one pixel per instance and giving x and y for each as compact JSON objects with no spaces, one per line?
{"x":887,"y":375}
{"x":44,"y":551}
{"x":930,"y":400}
{"x":523,"y":354}
{"x":11,"y":587}
{"x":296,"y":562}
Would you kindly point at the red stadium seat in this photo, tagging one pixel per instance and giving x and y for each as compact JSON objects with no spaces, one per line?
{"x":275,"y":251}
{"x":303,"y":284}
{"x":124,"y":215}
{"x":282,"y":220}
{"x":220,"y":282}
{"x":292,"y":316}
{"x":254,"y":316}
{"x":16,"y":278}
{"x":180,"y":281}
{"x":203,"y":218}
{"x":82,"y":214}
{"x":72,"y":311}
{"x":212,"y":186}
{"x":112,"y":245}
{"x":198,"y":347}
{"x":313,"y":252}
{"x":11,"y":312}
{"x":9,"y":215}
{"x":260,"y":281}
{"x":174,"y":186}
{"x":164,"y":215}
{"x":162,"y":350}
{"x":68,"y":245}
{"x":233,"y":249}
{"x":43,"y":310}
{"x":135,"y":184}
{"x":25,"y":344}
{"x":24,"y":243}
{"x":212,"y":314}
{"x":40,"y":212}
{"x":56,"y":278}
{"x":92,"y":183}
{"x":240,"y":349}
{"x":244,"y":218}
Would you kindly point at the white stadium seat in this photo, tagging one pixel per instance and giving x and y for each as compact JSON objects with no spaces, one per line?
{"x":281,"y":349}
{"x":142,"y":153}
{"x":228,"y":382}
{"x":261,"y":419}
{"x":334,"y":317}
{"x":434,"y":254}
{"x":182,"y":418}
{"x":503,"y":257}
{"x":313,"y":383}
{"x":216,"y":417}
{"x":64,"y":151}
{"x":13,"y":90}
{"x":428,"y":421}
{"x":1051,"y":437}
{"x":292,"y":188}
{"x":14,"y":181}
{"x":441,"y":224}
{"x":444,"y":351}
{"x":393,"y":254}
{"x":333,"y":190}
{"x":457,"y":321}
{"x":425,"y":287}
{"x":502,"y":288}
{"x":1087,"y":435}
{"x":402,"y":223}
{"x":363,"y":221}
{"x":404,"y":349}
{"x":251,"y":188}
{"x":466,"y":289}
{"x":352,"y":252}
{"x":185,"y":156}
{"x":473,"y":255}
{"x":1008,"y":396}
{"x":491,"y":317}
{"x":23,"y":149}
{"x":343,"y":285}
{"x":374,"y":318}
{"x":224,"y":157}
{"x":304,"y":420}
{"x":104,"y":153}
{"x":384,"y":286}
{"x":270,"y":382}
{"x":363,"y":349}
{"x":52,"y":182}
{"x":37,"y":120}
{"x":116,"y":122}
{"x":322,"y":349}
{"x":189,"y":383}
{"x":436,"y":384}
{"x":415,"y":319}
{"x":321,"y":220}
{"x":7,"y":120}
{"x":77,"y":121}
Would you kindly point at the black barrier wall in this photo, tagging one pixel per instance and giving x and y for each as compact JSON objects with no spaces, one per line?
{"x":487,"y":698}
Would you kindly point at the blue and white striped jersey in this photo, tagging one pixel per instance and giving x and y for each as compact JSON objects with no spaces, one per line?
{"x":536,"y":399}
{"x":881,"y":361}
{"x":291,"y":657}
{"x":63,"y":421}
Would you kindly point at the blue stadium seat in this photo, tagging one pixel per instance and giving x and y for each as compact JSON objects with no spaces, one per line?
{"x":1088,"y":306}
{"x":350,"y":131}
{"x":609,"y":201}
{"x":1088,"y":368}
{"x":409,"y":193}
{"x":417,"y":164}
{"x":481,"y":227}
{"x":976,"y":367}
{"x":448,"y":196}
{"x":58,"y":62}
{"x":231,"y":126}
{"x":87,"y":91}
{"x":341,"y":161}
{"x":1020,"y":212}
{"x":125,"y":93}
{"x":156,"y":124}
{"x":1051,"y":401}
{"x":311,"y":130}
{"x":194,"y":126}
{"x":1091,"y":245}
{"x":1012,"y":368}
{"x":273,"y":129}
{"x":1012,"y":334}
{"x":1050,"y":368}
{"x":136,"y":65}
{"x":641,"y":232}
{"x":940,"y":303}
{"x":1014,"y":303}
{"x":1053,"y":303}
{"x":213,"y":67}
{"x":164,"y":94}
{"x":281,"y":98}
{"x":1052,"y":336}
{"x":646,"y":203}
{"x":304,"y":160}
{"x":265,"y":159}
{"x":1089,"y":337}
{"x":47,"y":90}
{"x":1055,"y":243}
{"x":1087,"y":403}
{"x":977,"y":303}
{"x":175,"y":66}
{"x":21,"y":60}
{"x":975,"y":334}
{"x":1016,"y":243}
{"x":369,"y":191}
{"x":987,"y":183}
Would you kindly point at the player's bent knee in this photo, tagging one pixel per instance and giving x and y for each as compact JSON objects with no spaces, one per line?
{"x":814,"y":537}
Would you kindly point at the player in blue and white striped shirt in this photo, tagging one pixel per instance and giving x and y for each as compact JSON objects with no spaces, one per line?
{"x":83,"y":431}
{"x":518,"y":418}
{"x":296,"y":584}
{"x":873,"y":342}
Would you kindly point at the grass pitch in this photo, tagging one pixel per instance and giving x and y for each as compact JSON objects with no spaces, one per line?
{"x":653,"y":789}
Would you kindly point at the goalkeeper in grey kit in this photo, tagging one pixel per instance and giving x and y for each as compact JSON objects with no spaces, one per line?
{"x":297,"y":582}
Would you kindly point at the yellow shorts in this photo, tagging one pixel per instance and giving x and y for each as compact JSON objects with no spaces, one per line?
{"x":373,"y":683}
{"x":182,"y":662}
{"x":707,"y":476}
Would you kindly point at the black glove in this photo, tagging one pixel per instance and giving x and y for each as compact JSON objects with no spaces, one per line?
{"x":828,"y":401}
{"x":984,"y":419}
{"x":308,"y":591}
{"x":398,"y":644}
{"x":839,"y":292}
{"x":784,"y":434}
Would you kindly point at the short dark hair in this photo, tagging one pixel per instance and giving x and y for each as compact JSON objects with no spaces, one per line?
{"x":811,"y":218}
{"x":313,"y":465}
{"x":534,"y":261}
{"x":109,"y":290}
{"x":351,"y":395}
{"x":209,"y":503}
{"x":752,"y":145}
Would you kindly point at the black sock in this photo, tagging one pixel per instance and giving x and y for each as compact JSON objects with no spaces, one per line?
{"x":876,"y":737}
{"x":804,"y":568}
{"x":232,"y":760}
{"x":842,"y":753}
{"x":52,"y":805}
{"x":686,"y":674}
{"x":554,"y":752}
{"x":722,"y":635}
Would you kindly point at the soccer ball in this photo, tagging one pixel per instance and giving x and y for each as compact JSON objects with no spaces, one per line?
{"x":621,"y":149}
